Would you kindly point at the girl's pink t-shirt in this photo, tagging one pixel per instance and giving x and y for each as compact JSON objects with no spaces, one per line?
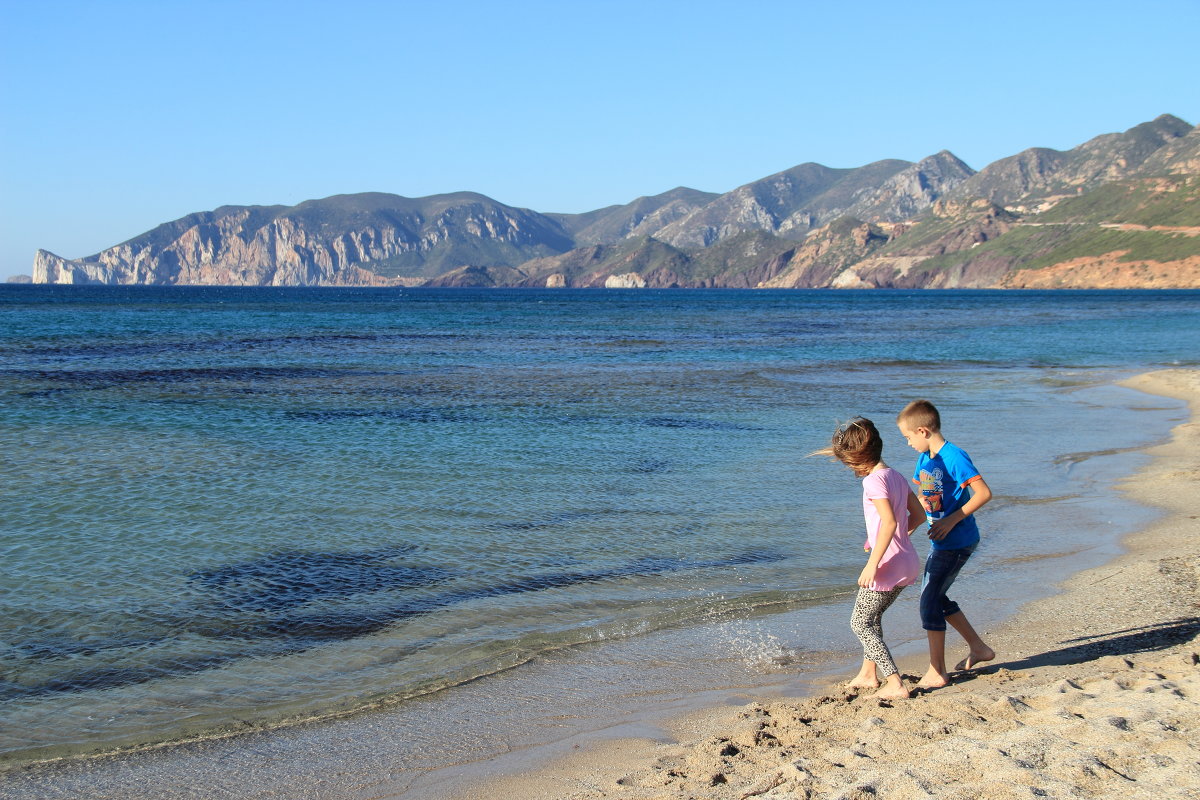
{"x":899,"y":565}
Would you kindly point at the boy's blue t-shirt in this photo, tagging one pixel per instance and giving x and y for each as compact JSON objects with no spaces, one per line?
{"x":942,"y":488}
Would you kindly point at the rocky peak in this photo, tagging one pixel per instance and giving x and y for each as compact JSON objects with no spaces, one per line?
{"x":912,"y":190}
{"x":642,"y":217}
{"x":789,"y":203}
{"x":1179,"y":156}
{"x":1041,"y":172}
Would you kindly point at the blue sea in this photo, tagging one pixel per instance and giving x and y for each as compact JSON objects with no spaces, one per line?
{"x":237,"y":509}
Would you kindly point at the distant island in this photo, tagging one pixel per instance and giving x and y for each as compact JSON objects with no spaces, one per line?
{"x":1119,"y":211}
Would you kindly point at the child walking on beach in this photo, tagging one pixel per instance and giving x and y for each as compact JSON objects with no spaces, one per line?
{"x":943,"y":474}
{"x":891,"y":512}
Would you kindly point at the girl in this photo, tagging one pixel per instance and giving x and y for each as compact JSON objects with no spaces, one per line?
{"x":892,"y":512}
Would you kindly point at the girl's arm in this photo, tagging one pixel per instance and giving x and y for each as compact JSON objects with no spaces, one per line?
{"x":916,"y":512}
{"x":887,"y":529}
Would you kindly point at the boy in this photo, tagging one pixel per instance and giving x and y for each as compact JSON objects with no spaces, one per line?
{"x":943,"y":474}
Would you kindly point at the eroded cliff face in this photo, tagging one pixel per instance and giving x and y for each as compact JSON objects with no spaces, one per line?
{"x":1109,"y":271}
{"x":825,"y":255}
{"x":281,"y":253}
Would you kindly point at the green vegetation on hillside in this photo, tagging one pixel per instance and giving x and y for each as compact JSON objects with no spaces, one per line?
{"x":1083,"y":227}
{"x":1035,"y":247}
{"x":735,"y":254}
{"x":929,"y":229}
{"x":1136,"y":202}
{"x":1090,"y":241}
{"x":457,"y":253}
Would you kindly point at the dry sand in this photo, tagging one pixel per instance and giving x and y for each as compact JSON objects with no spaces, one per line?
{"x":1095,"y":692}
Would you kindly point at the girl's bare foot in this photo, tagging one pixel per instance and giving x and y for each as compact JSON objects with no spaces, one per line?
{"x":933,"y":680}
{"x":867,"y":677}
{"x":893,"y":690}
{"x":975,"y":658}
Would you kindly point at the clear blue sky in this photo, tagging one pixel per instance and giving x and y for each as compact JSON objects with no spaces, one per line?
{"x":119,"y":115}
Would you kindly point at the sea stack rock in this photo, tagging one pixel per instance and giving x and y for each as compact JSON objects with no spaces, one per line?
{"x":630,"y":280}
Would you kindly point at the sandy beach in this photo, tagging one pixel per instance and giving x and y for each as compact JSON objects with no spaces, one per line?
{"x":1094,"y":693}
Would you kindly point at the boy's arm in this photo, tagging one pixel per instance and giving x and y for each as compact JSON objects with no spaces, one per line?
{"x":980,"y":494}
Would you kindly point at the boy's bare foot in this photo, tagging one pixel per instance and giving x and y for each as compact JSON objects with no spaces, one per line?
{"x":863,"y":683}
{"x":933,"y":680}
{"x":975,"y":658}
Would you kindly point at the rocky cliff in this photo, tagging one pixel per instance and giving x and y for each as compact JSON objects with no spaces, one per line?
{"x":824,"y":257}
{"x":365,"y":239}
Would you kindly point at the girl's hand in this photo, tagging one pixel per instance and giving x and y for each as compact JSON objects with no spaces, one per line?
{"x":867,"y":576}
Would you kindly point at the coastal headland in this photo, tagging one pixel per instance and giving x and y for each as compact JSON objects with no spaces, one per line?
{"x":1117,"y":211}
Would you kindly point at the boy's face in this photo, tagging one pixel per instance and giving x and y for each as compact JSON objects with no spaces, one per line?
{"x":917,"y":438}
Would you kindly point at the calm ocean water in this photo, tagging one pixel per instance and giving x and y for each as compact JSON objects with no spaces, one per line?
{"x":230,"y":508}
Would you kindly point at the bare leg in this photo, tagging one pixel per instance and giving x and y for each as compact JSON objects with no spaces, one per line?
{"x":979,"y":651}
{"x":866,"y":677}
{"x":936,"y":676}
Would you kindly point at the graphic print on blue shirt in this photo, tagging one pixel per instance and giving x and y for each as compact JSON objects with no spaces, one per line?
{"x":942,"y":488}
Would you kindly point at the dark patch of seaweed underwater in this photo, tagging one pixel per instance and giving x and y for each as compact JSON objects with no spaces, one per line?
{"x":295,"y":632}
{"x":285,"y":580}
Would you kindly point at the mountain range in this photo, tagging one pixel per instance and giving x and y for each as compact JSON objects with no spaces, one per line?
{"x":1121,"y":210}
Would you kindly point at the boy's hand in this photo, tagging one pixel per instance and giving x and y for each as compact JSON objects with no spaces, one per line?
{"x":940,"y":528}
{"x":867,"y":576}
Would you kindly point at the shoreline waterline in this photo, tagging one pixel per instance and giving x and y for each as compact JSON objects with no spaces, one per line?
{"x":370,"y":749}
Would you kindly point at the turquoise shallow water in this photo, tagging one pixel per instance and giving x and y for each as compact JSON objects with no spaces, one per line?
{"x":229,"y":508}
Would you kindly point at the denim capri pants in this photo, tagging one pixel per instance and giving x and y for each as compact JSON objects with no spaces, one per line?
{"x":941,"y":568}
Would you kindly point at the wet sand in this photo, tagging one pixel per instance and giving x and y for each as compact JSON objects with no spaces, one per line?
{"x":1095,"y":692}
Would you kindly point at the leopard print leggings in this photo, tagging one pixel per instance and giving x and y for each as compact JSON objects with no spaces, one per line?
{"x":867,"y":624}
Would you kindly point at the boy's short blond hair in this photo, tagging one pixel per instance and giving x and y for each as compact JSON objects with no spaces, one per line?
{"x":921,"y":414}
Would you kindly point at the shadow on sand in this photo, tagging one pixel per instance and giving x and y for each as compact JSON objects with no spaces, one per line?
{"x":1126,"y":642}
